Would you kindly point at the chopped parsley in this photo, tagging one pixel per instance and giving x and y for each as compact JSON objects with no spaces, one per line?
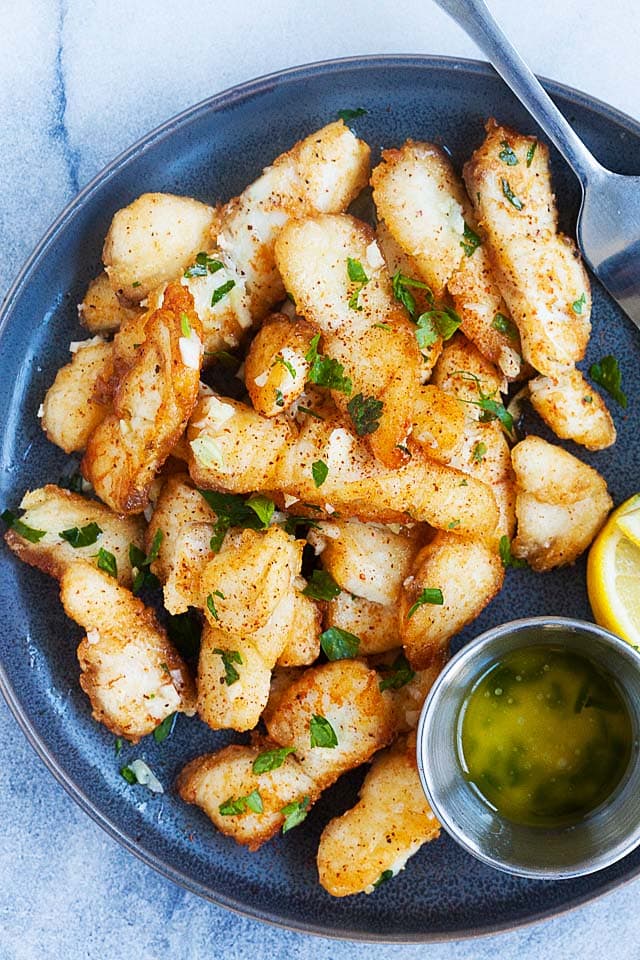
{"x":225,"y":358}
{"x":279,"y":398}
{"x":507,"y":155}
{"x":128,"y":774}
{"x":107,"y":562}
{"x":402,"y":285}
{"x":508,"y":560}
{"x":320,"y":472}
{"x":22,"y":529}
{"x":505,"y":326}
{"x":339,"y":644}
{"x":271,"y":759}
{"x":185,"y":326}
{"x":321,"y":733}
{"x":510,"y":195}
{"x":73,"y":482}
{"x":321,"y":586}
{"x":428,"y":595}
{"x":164,"y":730}
{"x":357,"y":275}
{"x":211,"y":604}
{"x":399,"y":674}
{"x":470,"y":240}
{"x":221,"y":292}
{"x":118,"y":746}
{"x":231,"y":510}
{"x":204,"y":264}
{"x":606,"y":372}
{"x":491,"y":409}
{"x":365,"y":413}
{"x":292,"y":523}
{"x":347,"y":115}
{"x":229,"y":657}
{"x":285,"y":363}
{"x":141,"y":563}
{"x":531,"y":152}
{"x":479,"y":452}
{"x":326,"y":372}
{"x":435,"y":324}
{"x":184,"y":631}
{"x":82,"y":536}
{"x":295,"y":813}
{"x":384,"y":876}
{"x":578,"y":305}
{"x":234,"y":807}
{"x":310,"y":412}
{"x":263,"y":507}
{"x":453,"y":525}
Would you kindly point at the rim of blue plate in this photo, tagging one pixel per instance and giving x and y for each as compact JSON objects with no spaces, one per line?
{"x":226,"y":98}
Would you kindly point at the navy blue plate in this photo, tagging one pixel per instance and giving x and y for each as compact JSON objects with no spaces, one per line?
{"x":212,"y":151}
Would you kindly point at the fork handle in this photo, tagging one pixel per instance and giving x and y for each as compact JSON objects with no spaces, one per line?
{"x":476,"y":20}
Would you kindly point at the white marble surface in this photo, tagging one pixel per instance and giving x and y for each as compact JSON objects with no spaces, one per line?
{"x":79,"y":80}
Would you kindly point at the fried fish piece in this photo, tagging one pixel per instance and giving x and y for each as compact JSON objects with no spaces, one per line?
{"x":538,"y":269}
{"x":468,"y":573}
{"x":344,"y":695}
{"x":337,"y":275}
{"x":573,"y":409}
{"x":372,"y":841}
{"x":101,"y":311}
{"x":220,"y":784}
{"x":77,"y":402}
{"x":131,"y":673}
{"x":54,"y":511}
{"x":151,"y":406}
{"x":276,"y":366}
{"x":375,"y":624}
{"x":561,"y":504}
{"x":152,"y":241}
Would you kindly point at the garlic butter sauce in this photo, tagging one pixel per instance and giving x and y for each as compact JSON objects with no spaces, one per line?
{"x":544,"y":736}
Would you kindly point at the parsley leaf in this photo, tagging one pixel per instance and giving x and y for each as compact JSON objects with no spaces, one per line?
{"x":339,"y":644}
{"x":606,"y":372}
{"x":293,"y":522}
{"x":510,"y":195}
{"x":434,"y":324}
{"x":508,"y":560}
{"x":204,"y":264}
{"x":531,"y":152}
{"x":321,"y":586}
{"x":229,"y":657}
{"x":320,"y":472}
{"x":295,"y":813}
{"x":81,"y":536}
{"x":505,"y":326}
{"x":184,"y":631}
{"x":138,"y":559}
{"x":578,"y":305}
{"x":399,"y":674}
{"x":128,"y":774}
{"x":211,"y":605}
{"x":401,"y":285}
{"x":326,"y":372}
{"x":234,"y":807}
{"x":285,"y":363}
{"x":470,"y":240}
{"x":271,"y":759}
{"x":357,"y":275}
{"x":365,"y":412}
{"x":321,"y":733}
{"x":262,"y":506}
{"x":428,"y":595}
{"x":507,"y":155}
{"x":28,"y":533}
{"x":479,"y":452}
{"x":164,"y":730}
{"x":347,"y":115}
{"x":231,"y":510}
{"x":384,"y":876}
{"x":107,"y":562}
{"x":491,"y":409}
{"x":221,"y":292}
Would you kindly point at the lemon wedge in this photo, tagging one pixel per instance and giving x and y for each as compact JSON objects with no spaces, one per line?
{"x":613,"y":572}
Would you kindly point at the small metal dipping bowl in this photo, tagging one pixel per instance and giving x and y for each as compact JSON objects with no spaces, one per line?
{"x":605,"y":835}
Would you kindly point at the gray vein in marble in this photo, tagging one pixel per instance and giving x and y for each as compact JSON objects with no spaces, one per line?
{"x":59,"y":128}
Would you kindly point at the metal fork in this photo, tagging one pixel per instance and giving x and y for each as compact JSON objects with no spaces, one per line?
{"x":608,"y":228}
